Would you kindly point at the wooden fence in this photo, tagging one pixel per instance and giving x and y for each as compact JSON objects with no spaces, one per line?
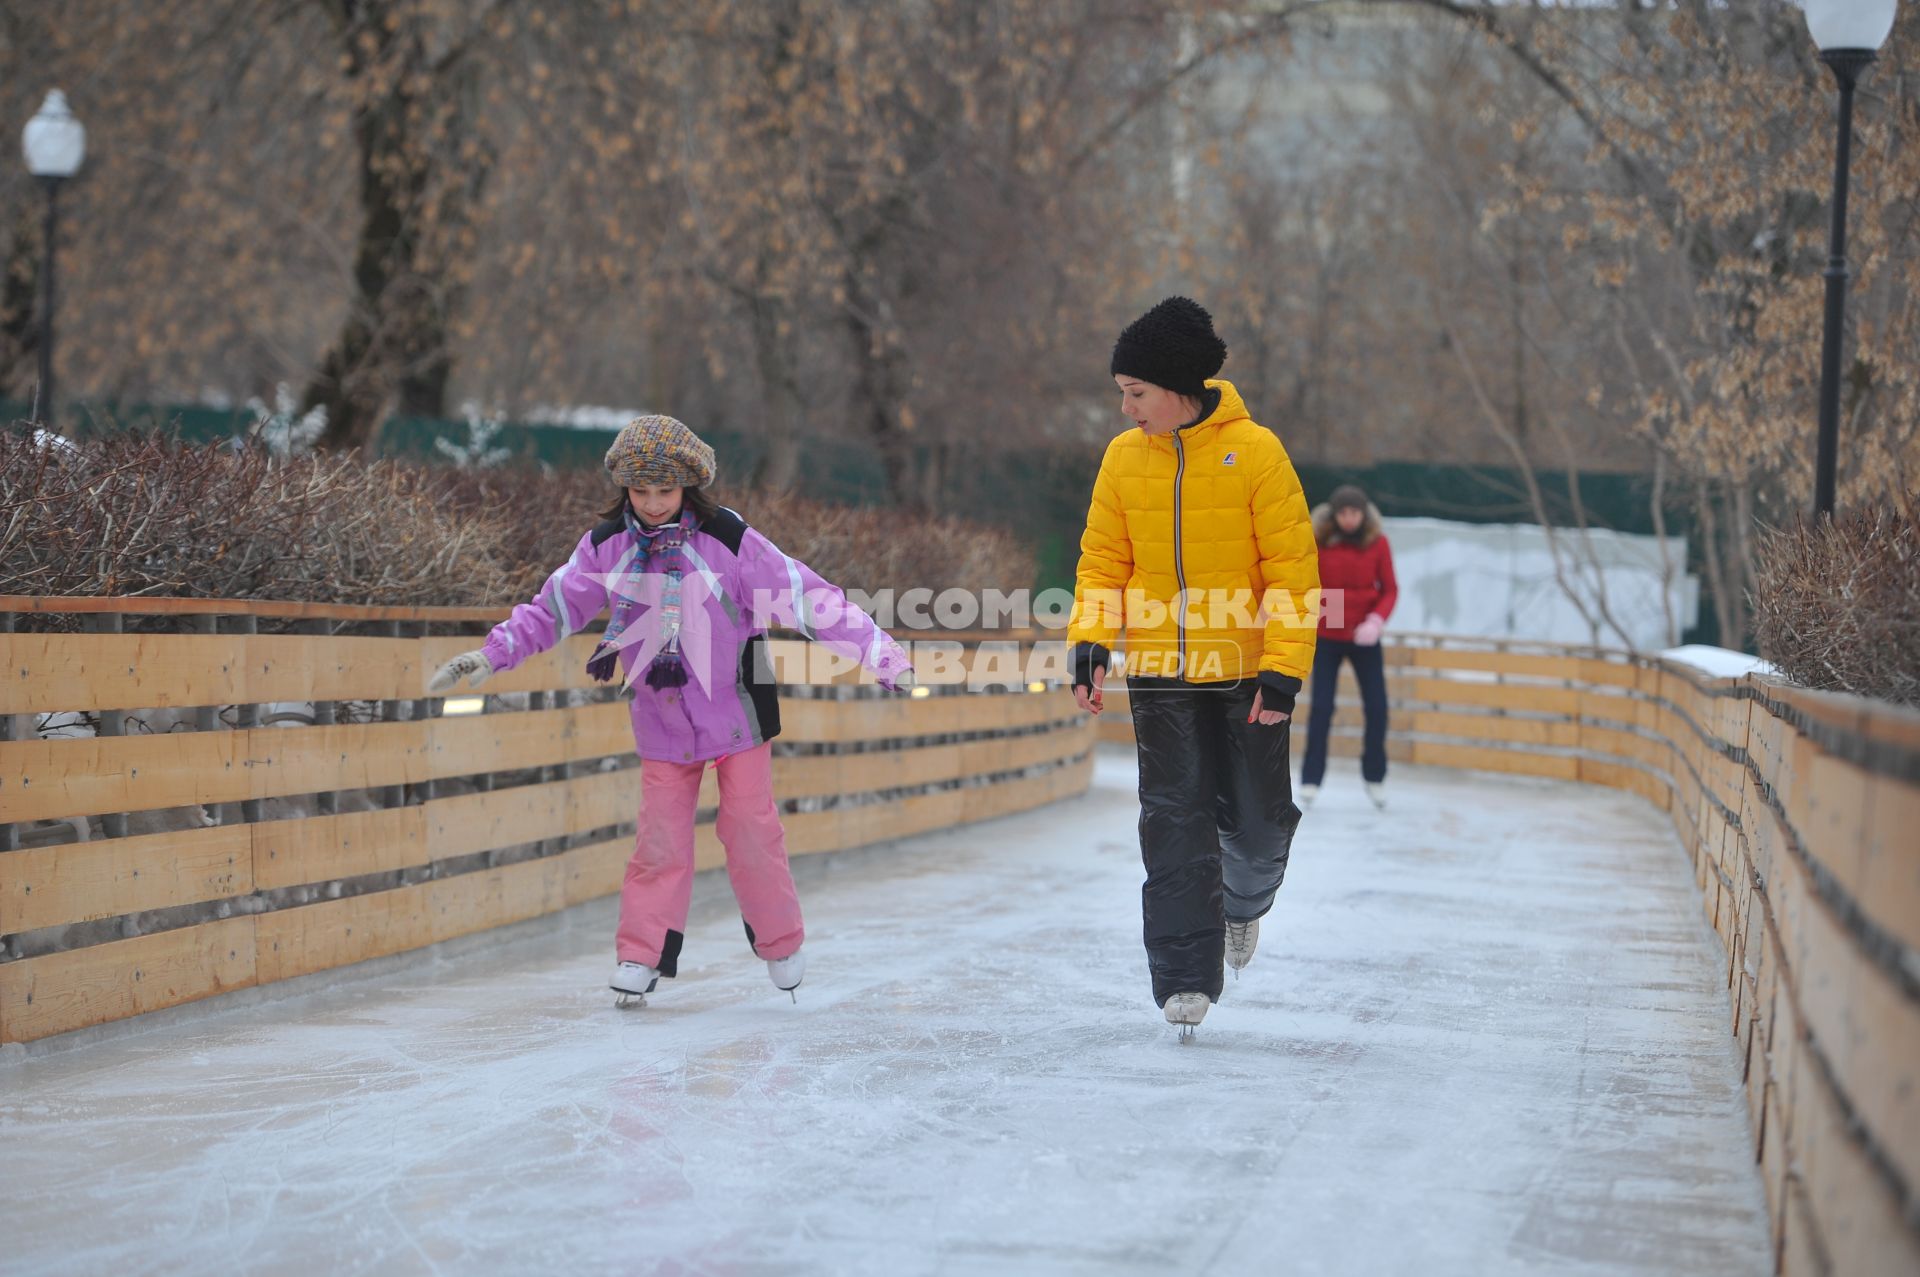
{"x":1800,"y":813}
{"x":236,"y":807}
{"x":376,"y":824}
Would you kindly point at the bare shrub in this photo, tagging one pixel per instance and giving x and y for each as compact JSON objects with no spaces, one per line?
{"x":147,"y":515}
{"x":1837,"y":603}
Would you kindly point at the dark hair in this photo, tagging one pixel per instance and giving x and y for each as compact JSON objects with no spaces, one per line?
{"x":701,"y":502}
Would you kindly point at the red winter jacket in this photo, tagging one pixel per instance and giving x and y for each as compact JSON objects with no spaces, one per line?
{"x":1361,"y":565}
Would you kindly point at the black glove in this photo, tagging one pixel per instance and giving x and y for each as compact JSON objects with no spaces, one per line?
{"x":1277,"y":691}
{"x":1087,"y":657}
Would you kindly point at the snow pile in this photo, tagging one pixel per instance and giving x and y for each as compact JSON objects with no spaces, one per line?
{"x":1502,"y":580}
{"x":1718,"y":661}
{"x":571,"y":416}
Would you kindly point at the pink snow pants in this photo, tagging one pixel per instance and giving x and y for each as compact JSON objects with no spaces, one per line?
{"x":659,"y":884}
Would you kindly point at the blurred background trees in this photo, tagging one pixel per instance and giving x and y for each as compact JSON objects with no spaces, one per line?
{"x":1560,"y":244}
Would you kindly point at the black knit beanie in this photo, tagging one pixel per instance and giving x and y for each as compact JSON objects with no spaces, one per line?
{"x":1173,"y":345}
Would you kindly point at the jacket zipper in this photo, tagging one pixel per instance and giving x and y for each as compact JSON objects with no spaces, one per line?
{"x":1179,"y":565}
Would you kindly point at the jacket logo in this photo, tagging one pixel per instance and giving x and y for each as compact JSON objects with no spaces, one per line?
{"x":1228,"y":459}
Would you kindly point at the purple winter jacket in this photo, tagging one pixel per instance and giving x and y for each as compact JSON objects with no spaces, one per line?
{"x":737,"y":584}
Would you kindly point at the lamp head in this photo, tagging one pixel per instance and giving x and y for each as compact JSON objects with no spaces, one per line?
{"x":1850,"y":24}
{"x":54,"y":142}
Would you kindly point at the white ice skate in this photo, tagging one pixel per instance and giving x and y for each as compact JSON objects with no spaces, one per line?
{"x":1377,"y":791}
{"x":1242,"y":938}
{"x":1307,"y":794}
{"x":1186,"y":1010}
{"x":632,"y":982}
{"x":786,"y":972}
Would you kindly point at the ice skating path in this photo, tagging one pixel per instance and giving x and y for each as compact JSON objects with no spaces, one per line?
{"x":1485,"y":1033}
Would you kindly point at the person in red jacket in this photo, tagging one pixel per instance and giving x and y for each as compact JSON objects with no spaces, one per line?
{"x":1355,"y":560}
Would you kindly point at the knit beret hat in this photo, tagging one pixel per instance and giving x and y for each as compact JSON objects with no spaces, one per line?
{"x":656,"y":451}
{"x":1347,"y":497}
{"x":1173,"y":345}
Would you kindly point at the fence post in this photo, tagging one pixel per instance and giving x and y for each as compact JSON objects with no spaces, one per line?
{"x":422,"y":710}
{"x":113,"y":722}
{"x":391,"y":712}
{"x":325,"y":714}
{"x":12,"y":727}
{"x":248,"y":719}
{"x":206,"y":718}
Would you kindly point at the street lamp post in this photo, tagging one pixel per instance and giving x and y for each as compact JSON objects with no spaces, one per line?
{"x":1849,"y":33}
{"x":54,"y":144}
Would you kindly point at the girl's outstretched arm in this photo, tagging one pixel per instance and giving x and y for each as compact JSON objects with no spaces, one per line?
{"x":781,"y":590}
{"x":571,"y":598}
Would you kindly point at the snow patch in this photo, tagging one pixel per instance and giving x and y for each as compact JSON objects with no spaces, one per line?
{"x":1718,"y":661}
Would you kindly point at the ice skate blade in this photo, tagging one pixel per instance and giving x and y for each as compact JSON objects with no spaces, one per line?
{"x":628,"y":1001}
{"x":1187,"y":1032}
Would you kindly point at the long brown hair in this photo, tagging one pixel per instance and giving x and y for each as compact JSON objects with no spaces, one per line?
{"x":699,"y":500}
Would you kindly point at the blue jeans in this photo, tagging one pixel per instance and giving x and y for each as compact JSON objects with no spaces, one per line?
{"x":1370,"y":669}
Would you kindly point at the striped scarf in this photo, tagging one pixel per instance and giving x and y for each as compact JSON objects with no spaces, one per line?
{"x":660,"y":549}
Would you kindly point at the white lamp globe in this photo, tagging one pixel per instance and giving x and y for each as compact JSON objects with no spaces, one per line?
{"x":1850,"y":24}
{"x":54,"y":142}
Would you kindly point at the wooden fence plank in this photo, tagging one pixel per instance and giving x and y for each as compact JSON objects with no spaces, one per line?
{"x":322,"y":848}
{"x":335,"y":933}
{"x":1518,"y":664}
{"x":1858,"y":1220}
{"x":48,"y":673}
{"x":469,"y":823}
{"x":594,"y":870}
{"x":151,"y":605}
{"x":497,"y":742}
{"x":1605,"y":673}
{"x":83,"y":881}
{"x":1835,"y":832}
{"x":1530,"y":697}
{"x":46,"y":779}
{"x":59,"y":992}
{"x":838,"y":721}
{"x":307,"y":760}
{"x":45,"y":673}
{"x":1890,"y":865}
{"x":1484,"y":758}
{"x":1529,"y":731}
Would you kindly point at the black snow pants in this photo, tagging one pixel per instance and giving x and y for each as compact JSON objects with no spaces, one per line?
{"x":1216,"y":823}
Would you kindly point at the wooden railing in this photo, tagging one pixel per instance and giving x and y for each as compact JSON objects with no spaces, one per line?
{"x":1800,"y":814}
{"x":239,"y":807}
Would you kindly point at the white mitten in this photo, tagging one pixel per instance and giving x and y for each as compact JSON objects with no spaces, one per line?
{"x":472,"y":666}
{"x":1367,"y":633}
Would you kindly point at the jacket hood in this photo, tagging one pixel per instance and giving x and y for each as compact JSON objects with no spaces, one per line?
{"x":1324,"y":529}
{"x":1230,"y":408}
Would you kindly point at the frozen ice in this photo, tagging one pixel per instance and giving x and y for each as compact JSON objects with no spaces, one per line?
{"x":1485,"y":1032}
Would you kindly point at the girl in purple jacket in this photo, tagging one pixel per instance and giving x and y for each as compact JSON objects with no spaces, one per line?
{"x":691,"y":591}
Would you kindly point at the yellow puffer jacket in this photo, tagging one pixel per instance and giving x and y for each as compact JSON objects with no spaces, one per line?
{"x":1214,"y":510}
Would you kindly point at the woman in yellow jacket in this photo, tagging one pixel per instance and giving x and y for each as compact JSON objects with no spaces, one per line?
{"x":1199,"y":551}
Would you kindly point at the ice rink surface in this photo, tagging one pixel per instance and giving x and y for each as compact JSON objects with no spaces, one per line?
{"x":1486,"y":1032}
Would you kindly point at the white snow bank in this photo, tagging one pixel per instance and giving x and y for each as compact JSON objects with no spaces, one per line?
{"x":1718,"y":661}
{"x":573,"y":416}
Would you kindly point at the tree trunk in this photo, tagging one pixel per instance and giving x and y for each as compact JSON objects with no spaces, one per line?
{"x":779,"y":469}
{"x":19,"y":279}
{"x":878,"y":396}
{"x":392,"y":350}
